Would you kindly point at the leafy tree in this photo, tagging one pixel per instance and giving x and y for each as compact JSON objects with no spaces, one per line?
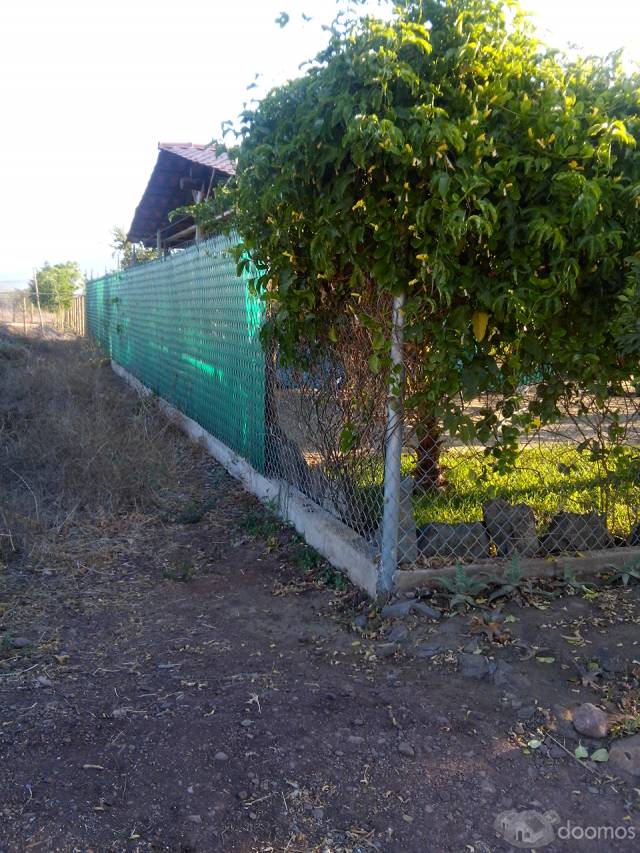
{"x":128,"y":253}
{"x":57,"y":285}
{"x":447,"y":155}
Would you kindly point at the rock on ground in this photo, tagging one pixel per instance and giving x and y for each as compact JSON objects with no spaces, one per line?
{"x":624,"y":755}
{"x":465,"y":540}
{"x":512,"y":529}
{"x":570,"y":531}
{"x":591,"y":721}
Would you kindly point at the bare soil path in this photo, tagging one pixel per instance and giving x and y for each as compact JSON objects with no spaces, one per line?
{"x":195,"y":684}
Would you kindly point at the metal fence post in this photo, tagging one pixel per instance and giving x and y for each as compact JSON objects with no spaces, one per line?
{"x":393,"y":454}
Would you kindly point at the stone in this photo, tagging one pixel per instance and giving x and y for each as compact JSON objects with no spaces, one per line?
{"x":474,"y":666}
{"x":591,"y":721}
{"x":20,"y":642}
{"x":195,"y":818}
{"x":361,"y":621}
{"x":119,"y":713}
{"x":612,"y":661}
{"x":221,"y":756}
{"x":425,"y":610}
{"x":634,"y":536}
{"x":467,"y":540}
{"x":526,"y":713}
{"x":356,"y":740}
{"x":624,"y":755}
{"x":563,"y":722}
{"x":407,"y":538}
{"x":387,"y":650}
{"x":246,"y":723}
{"x":570,"y":531}
{"x":400,"y":609}
{"x":406,"y":749}
{"x":398,"y":634}
{"x":506,"y":677}
{"x":511,"y":528}
{"x":429,"y":650}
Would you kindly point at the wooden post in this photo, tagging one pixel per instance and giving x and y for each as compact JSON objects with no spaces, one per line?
{"x":35,"y":279}
{"x":198,"y":198}
{"x":24,"y":314}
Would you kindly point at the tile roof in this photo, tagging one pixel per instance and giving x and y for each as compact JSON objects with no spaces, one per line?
{"x":204,"y":154}
{"x":180,"y":167}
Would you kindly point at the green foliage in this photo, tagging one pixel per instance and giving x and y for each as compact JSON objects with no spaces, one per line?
{"x":548,"y":478}
{"x":630,"y":572}
{"x":262,"y":523}
{"x":128,"y":253}
{"x":446,"y":154}
{"x":511,"y":583}
{"x":57,"y":285}
{"x":306,"y":558}
{"x":463,"y":587}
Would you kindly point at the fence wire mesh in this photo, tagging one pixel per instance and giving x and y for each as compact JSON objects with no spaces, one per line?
{"x":326,"y":425}
{"x":572,"y":486}
{"x":188,"y":327}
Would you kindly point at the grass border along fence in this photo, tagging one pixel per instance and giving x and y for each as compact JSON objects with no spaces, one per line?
{"x":186,"y":328}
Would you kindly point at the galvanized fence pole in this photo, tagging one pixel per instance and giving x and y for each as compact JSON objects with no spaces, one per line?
{"x":393,"y":454}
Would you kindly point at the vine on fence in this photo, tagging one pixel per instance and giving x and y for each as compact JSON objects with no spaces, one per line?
{"x":445,"y":153}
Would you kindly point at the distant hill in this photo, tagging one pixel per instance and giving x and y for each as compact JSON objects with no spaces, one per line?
{"x":12,"y":285}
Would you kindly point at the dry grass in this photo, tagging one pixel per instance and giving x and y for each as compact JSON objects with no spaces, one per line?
{"x":77,"y":450}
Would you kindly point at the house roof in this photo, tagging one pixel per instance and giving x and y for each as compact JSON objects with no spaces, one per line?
{"x":204,"y":154}
{"x":181,"y":168}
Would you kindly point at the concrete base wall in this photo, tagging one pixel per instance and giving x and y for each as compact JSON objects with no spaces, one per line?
{"x":347,"y":550}
{"x":592,"y":563}
{"x":340,"y":545}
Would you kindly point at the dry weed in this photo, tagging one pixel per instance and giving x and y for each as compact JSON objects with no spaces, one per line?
{"x":77,"y":449}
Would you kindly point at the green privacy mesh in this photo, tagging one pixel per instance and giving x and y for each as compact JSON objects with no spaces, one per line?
{"x":187,"y":327}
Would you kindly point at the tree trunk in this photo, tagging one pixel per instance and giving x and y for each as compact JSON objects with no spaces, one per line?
{"x":427,"y":474}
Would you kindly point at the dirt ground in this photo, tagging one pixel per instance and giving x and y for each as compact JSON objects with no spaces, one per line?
{"x":200,"y":681}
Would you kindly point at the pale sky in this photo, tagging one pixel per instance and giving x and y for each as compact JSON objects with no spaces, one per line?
{"x":89,"y":87}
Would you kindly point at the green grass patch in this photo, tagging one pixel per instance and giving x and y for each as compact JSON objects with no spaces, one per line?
{"x":549,"y":478}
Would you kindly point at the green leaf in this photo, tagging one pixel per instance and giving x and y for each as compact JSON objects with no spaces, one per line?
{"x":443,"y":184}
{"x":600,"y":755}
{"x":581,"y":753}
{"x":374,"y":363}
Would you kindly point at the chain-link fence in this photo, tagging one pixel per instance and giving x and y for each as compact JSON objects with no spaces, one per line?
{"x":571,"y":486}
{"x":336,"y":431}
{"x":188,"y":329}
